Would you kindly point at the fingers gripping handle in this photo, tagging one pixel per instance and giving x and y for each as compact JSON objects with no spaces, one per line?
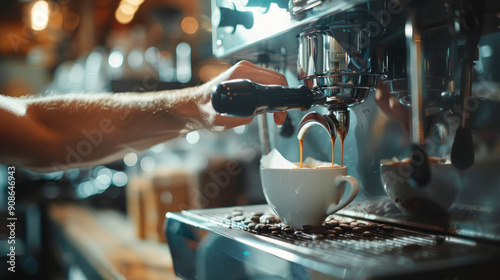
{"x":353,"y":192}
{"x":244,"y":98}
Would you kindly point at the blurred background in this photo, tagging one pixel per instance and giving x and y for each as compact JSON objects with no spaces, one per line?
{"x":68,"y":46}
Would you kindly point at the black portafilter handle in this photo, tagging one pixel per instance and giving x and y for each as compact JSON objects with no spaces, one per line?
{"x":244,"y":98}
{"x":421,"y":174}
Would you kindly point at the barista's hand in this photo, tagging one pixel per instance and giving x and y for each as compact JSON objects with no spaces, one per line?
{"x":241,"y":70}
{"x":390,"y":106}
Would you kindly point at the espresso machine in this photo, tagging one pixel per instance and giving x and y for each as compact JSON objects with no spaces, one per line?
{"x":409,"y":93}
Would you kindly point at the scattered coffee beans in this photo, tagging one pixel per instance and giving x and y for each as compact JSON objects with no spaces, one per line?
{"x":332,"y":229}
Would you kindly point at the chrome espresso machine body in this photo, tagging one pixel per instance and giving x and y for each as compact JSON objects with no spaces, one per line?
{"x":436,"y":111}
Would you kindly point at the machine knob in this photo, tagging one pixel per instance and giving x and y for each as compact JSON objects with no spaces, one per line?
{"x":222,"y":17}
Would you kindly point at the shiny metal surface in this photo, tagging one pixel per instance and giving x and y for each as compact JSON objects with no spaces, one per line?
{"x":202,"y":240}
{"x":413,"y":33}
{"x":340,"y":72}
{"x":320,"y":54}
{"x":344,"y":89}
{"x":230,"y":41}
{"x":377,"y":132}
{"x":312,"y":119}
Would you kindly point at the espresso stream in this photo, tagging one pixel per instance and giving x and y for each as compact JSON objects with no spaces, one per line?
{"x":342,"y":137}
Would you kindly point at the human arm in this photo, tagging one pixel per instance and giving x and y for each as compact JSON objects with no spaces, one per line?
{"x":76,"y":130}
{"x":391,"y":107}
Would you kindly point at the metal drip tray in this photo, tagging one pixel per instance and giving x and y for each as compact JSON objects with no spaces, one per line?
{"x":300,"y":255}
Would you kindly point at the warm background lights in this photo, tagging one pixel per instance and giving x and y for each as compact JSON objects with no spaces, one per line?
{"x":40,"y":15}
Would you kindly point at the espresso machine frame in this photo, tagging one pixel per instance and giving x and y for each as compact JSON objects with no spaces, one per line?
{"x":436,"y":58}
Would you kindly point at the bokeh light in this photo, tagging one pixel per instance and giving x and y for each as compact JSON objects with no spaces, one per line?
{"x":189,"y":25}
{"x":40,"y":15}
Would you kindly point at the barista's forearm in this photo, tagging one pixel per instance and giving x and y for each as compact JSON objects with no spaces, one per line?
{"x":73,"y":130}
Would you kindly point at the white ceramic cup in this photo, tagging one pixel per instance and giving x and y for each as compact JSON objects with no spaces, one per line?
{"x":307,"y":196}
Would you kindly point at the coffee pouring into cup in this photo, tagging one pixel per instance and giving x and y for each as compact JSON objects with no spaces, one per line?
{"x":336,"y":72}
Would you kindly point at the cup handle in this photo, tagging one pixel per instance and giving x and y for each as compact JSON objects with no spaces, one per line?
{"x":353,"y":192}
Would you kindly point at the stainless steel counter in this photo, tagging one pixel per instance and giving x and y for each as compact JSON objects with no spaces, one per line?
{"x":205,"y":244}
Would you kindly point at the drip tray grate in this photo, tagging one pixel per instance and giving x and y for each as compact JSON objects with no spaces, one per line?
{"x":373,"y":246}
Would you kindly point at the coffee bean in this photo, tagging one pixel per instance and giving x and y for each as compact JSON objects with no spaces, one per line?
{"x":331,"y":231}
{"x":357,"y":230}
{"x":251,"y":226}
{"x":263,"y":218}
{"x":275,"y":232}
{"x":368,"y":234}
{"x":354,"y":224}
{"x":319,"y":229}
{"x":388,"y":229}
{"x":363,"y":226}
{"x":345,"y":227}
{"x":268,"y":219}
{"x":271,"y":220}
{"x":255,"y":219}
{"x":288,"y":230}
{"x":339,"y":230}
{"x":258,"y":227}
{"x":331,"y":236}
{"x":307,"y":228}
{"x":266,"y":228}
{"x":372,"y":226}
{"x":319,"y":236}
{"x":332,"y":224}
{"x":275,"y":228}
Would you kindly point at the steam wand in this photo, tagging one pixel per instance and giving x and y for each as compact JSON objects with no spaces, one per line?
{"x":467,"y":20}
